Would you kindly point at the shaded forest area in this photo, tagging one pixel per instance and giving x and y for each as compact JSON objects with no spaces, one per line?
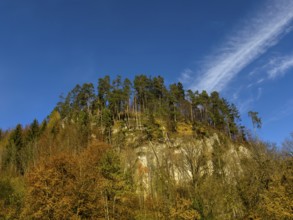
{"x":81,"y":161}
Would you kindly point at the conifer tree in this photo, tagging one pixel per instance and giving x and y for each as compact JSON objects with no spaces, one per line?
{"x":104,"y":87}
{"x":86,"y":96}
{"x":126,"y":97}
{"x":256,"y":121}
{"x":34,"y":130}
{"x":141,"y":86}
{"x":14,"y":155}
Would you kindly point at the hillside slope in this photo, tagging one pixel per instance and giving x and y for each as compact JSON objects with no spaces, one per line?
{"x":140,"y":150}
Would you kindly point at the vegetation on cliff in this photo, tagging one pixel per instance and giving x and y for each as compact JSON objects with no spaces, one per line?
{"x":140,"y":150}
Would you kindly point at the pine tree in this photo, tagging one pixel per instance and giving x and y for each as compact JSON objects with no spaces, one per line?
{"x":256,"y":121}
{"x":34,"y":130}
{"x":85,"y":97}
{"x":14,"y":155}
{"x":104,"y":87}
{"x":142,"y":88}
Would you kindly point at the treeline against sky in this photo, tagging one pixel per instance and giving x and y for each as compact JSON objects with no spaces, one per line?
{"x":81,"y":162}
{"x":126,"y":101}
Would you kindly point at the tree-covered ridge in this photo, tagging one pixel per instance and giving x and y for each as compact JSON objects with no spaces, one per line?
{"x":170,"y":154}
{"x":124,"y":100}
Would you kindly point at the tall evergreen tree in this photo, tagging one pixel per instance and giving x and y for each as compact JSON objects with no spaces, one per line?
{"x":34,"y":130}
{"x":142,"y":88}
{"x":86,"y":96}
{"x":255,"y":119}
{"x":202,"y":106}
{"x":15,"y":146}
{"x":126,"y":93}
{"x":116,"y":97}
{"x":104,"y":86}
{"x":216,"y":113}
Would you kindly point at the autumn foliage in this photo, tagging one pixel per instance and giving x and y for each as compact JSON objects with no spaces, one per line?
{"x":143,"y":151}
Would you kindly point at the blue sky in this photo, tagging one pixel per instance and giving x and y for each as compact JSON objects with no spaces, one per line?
{"x":241,"y":48}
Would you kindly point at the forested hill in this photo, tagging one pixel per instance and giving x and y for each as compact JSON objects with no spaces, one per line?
{"x":131,"y":102}
{"x":140,"y":149}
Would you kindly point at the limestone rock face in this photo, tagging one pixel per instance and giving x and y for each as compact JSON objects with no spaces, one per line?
{"x":183,"y":159}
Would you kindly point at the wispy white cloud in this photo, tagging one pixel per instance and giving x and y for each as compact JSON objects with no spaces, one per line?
{"x":259,"y":93}
{"x":275,"y":67}
{"x":186,"y":76}
{"x":279,"y":66}
{"x":259,"y":81}
{"x":245,"y":104}
{"x":255,"y":38}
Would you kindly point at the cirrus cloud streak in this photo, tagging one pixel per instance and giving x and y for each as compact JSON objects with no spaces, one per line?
{"x":258,"y":35}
